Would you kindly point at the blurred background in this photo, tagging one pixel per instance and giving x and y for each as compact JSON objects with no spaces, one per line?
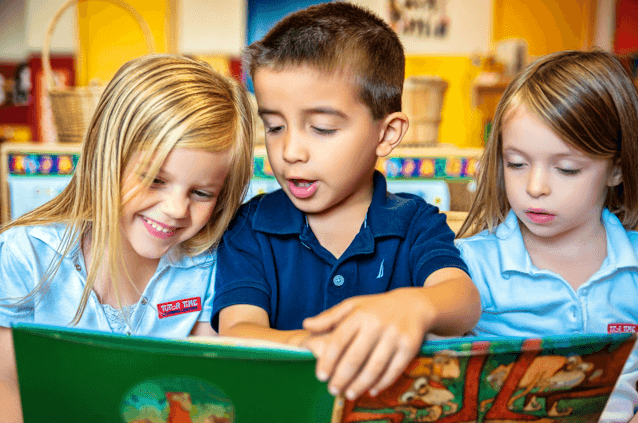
{"x":460,"y":56}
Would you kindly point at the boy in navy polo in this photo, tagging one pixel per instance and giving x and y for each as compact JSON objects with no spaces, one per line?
{"x":378,"y":270}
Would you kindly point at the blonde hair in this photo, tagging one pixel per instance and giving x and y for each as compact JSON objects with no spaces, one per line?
{"x":591,"y":103}
{"x":153,"y":104}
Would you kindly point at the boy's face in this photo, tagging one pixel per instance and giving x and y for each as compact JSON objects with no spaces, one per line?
{"x":320,"y":137}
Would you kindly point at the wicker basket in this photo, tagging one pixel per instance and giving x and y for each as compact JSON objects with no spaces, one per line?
{"x":73,"y":107}
{"x":422,"y":103}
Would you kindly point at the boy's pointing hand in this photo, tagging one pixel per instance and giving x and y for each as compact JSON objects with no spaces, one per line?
{"x":365,"y":342}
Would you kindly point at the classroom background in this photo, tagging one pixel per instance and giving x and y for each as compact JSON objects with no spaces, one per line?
{"x":460,"y":55}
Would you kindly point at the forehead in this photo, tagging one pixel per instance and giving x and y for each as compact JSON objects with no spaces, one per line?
{"x":304,"y":86}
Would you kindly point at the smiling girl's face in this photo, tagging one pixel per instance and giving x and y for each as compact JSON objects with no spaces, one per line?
{"x":553,"y":188}
{"x":176,"y":206}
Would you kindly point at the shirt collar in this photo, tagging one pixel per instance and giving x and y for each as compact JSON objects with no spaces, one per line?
{"x":384,"y":217}
{"x":52,"y":235}
{"x":620,"y":252}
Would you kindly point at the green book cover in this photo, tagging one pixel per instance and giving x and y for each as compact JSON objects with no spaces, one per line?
{"x":73,"y":375}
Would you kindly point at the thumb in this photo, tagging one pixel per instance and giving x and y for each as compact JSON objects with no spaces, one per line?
{"x":330,"y":318}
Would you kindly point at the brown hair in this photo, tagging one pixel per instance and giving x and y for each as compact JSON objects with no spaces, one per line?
{"x":338,"y":37}
{"x":153,"y":104}
{"x":591,"y":103}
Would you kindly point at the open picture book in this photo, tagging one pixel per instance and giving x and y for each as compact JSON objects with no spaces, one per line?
{"x":75,"y":375}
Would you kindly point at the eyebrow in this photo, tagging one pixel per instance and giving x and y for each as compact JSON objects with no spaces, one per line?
{"x":560,"y":155}
{"x":163,"y":174}
{"x":314,"y":111}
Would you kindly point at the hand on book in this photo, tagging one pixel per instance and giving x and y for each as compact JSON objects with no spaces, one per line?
{"x":365,"y":342}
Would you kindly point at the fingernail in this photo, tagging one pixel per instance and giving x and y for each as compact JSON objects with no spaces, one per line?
{"x":333,"y":391}
{"x":322,"y":376}
{"x":350,"y":395}
{"x":373,"y":392}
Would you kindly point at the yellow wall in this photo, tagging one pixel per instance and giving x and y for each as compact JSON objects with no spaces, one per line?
{"x":548,"y":26}
{"x":460,"y":124}
{"x":110,"y":36}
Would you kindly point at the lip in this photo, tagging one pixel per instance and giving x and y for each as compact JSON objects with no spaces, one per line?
{"x":302,"y":191}
{"x":539,"y":216}
{"x":157,"y":233}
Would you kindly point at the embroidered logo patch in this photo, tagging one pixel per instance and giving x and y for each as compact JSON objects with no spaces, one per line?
{"x":173,"y":308}
{"x":622,"y":328}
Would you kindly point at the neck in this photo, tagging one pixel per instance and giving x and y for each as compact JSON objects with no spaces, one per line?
{"x":130,"y":275}
{"x":337,"y":227}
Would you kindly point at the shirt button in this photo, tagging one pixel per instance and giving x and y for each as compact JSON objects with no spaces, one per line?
{"x":143,"y":301}
{"x":338,"y":280}
{"x":78,"y":267}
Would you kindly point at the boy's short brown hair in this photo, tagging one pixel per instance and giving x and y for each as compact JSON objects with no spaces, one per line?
{"x":338,"y":37}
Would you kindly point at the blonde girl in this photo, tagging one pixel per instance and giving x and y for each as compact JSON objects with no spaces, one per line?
{"x":128,"y":246}
{"x":549,"y":239}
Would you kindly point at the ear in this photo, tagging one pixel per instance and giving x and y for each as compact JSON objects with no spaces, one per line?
{"x":615,"y":177}
{"x":393,"y":128}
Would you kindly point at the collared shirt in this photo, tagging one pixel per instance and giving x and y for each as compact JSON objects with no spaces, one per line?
{"x":518,"y":299}
{"x":177,"y":296}
{"x":270,"y":257}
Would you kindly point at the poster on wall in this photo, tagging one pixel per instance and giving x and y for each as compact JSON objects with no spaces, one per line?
{"x":449,"y":27}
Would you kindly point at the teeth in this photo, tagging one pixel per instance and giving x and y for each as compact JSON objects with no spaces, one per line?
{"x":156,"y":227}
{"x":302,"y":184}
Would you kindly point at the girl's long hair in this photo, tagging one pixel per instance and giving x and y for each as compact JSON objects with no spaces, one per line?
{"x":153,"y":104}
{"x":591,"y":103}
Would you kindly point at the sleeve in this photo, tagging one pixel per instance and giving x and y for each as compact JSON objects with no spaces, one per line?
{"x":468,"y":255}
{"x":241,"y":268}
{"x":207,"y":304}
{"x":17,"y":277}
{"x":432,"y":247}
{"x":623,"y":401}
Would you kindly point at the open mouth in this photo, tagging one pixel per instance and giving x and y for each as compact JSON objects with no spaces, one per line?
{"x":157,"y":229}
{"x":302,"y":188}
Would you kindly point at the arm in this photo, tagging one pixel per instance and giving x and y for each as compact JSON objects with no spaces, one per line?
{"x":203,"y":329}
{"x":368,"y":340}
{"x":9,"y":392}
{"x":634,"y":419}
{"x":248,"y":321}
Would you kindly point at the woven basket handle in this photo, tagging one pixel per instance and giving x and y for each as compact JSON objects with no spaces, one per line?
{"x":48,"y":75}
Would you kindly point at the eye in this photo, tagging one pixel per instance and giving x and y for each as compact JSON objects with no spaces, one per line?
{"x":203,"y":195}
{"x":513,"y":165}
{"x":420,"y":383}
{"x":274,"y":129}
{"x":569,"y":171}
{"x":407,"y":397}
{"x":323,"y":131}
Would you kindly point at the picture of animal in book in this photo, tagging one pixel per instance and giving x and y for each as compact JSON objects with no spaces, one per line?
{"x":567,"y":385}
{"x":176,"y":400}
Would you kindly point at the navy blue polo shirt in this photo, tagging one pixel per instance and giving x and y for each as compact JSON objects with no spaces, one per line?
{"x":270,"y":258}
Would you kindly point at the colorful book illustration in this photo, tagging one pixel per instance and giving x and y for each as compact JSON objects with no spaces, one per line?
{"x":77,"y":375}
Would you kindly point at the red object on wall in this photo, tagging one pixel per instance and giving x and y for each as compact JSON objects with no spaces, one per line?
{"x":626,"y":38}
{"x":35,"y":113}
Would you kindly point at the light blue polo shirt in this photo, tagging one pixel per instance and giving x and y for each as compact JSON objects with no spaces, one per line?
{"x":179,"y":294}
{"x":518,"y":299}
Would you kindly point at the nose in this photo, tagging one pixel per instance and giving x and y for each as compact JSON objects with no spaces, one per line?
{"x":175,"y":204}
{"x":537,"y":183}
{"x":294,"y":148}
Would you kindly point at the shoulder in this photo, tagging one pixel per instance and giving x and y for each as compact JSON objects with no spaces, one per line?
{"x":40,"y":236}
{"x":413,"y":207}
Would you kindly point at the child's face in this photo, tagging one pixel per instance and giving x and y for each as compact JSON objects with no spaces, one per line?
{"x":553,"y":188}
{"x":321,"y":138}
{"x":177,"y":205}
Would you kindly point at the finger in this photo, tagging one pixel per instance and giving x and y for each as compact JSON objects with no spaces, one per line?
{"x":375,"y":366}
{"x":330,"y":318}
{"x":335,"y":344}
{"x":399,"y":362}
{"x":353,"y":358}
{"x":316,"y":344}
